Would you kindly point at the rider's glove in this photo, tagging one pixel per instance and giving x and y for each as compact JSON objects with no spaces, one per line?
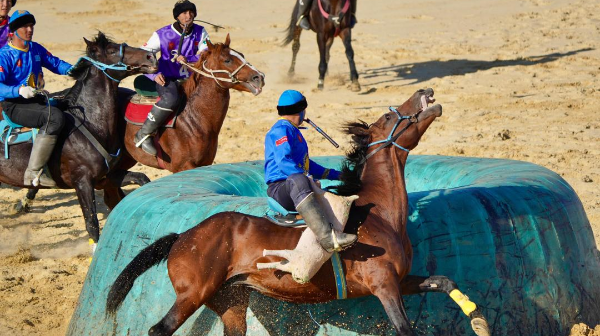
{"x":26,"y":92}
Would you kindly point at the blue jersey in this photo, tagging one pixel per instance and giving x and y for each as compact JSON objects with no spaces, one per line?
{"x":23,"y":67}
{"x":286,"y":153}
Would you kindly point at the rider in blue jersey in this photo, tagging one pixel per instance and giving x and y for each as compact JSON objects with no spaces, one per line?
{"x":287,"y":165}
{"x":21,"y":62}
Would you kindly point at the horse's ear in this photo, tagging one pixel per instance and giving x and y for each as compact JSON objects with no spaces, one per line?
{"x":91,"y":46}
{"x":209,"y":45}
{"x":227,"y":41}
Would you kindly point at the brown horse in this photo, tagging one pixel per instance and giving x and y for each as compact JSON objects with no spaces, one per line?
{"x":214,"y":263}
{"x":193,"y":143}
{"x":84,"y":162}
{"x":327,"y":28}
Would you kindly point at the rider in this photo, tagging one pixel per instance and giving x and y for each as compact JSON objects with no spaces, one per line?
{"x":5,"y":7}
{"x":304,"y":7}
{"x":21,"y":62}
{"x":286,"y":167}
{"x":168,"y":40}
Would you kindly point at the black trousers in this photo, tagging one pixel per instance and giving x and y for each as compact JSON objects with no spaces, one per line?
{"x":169,"y":94}
{"x":291,"y":191}
{"x":34,"y":113}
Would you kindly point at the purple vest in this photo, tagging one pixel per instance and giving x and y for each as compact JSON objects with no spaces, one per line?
{"x":4,"y":34}
{"x":169,"y":41}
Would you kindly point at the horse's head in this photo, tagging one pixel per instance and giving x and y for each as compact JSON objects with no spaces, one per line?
{"x":402,"y":126}
{"x":119,"y":60}
{"x":230,"y":69}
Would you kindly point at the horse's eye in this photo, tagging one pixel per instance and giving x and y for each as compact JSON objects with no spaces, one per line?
{"x":227,"y":61}
{"x":387,"y":116}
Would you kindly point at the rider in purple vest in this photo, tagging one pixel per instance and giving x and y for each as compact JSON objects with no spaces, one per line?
{"x":304,"y":7}
{"x":166,"y":40}
{"x":5,"y":7}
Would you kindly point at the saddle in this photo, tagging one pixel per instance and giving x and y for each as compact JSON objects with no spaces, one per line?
{"x":279,"y":215}
{"x":140,"y":104}
{"x":13,"y":134}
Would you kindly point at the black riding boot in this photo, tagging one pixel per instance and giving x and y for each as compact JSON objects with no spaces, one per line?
{"x":303,"y":7}
{"x":143,"y":137}
{"x":311,"y":211}
{"x":40,"y":153}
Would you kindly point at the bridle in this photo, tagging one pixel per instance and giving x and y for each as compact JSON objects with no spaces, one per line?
{"x":210,"y":73}
{"x":119,"y":66}
{"x":391,"y":139}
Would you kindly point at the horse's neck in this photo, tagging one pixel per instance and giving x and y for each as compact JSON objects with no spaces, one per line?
{"x":383,"y":174}
{"x":98,"y":98}
{"x":207,"y":107}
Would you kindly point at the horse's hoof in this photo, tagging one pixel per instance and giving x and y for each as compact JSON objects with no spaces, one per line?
{"x":291,"y":73}
{"x":480,"y":326}
{"x":19,"y":208}
{"x":355,"y":86}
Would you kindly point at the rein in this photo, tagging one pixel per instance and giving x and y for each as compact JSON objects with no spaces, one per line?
{"x":391,"y":139}
{"x":120,"y":66}
{"x":210,"y":73}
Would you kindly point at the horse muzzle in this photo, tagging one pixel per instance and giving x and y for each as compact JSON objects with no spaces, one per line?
{"x":434,"y":110}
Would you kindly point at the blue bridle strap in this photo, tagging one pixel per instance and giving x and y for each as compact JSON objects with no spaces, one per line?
{"x":120,"y":66}
{"x":391,"y":139}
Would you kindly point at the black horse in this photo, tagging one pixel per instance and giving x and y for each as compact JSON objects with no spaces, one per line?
{"x":328,"y":18}
{"x":88,"y":146}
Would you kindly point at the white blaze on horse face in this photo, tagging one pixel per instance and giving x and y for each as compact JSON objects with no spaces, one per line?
{"x":244,"y":62}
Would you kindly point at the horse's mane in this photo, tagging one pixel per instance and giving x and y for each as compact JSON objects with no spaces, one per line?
{"x":80,"y":69}
{"x":190,"y":85}
{"x":354,"y":163}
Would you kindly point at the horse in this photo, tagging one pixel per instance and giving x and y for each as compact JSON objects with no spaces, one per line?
{"x":89,"y":146}
{"x":194,"y":142}
{"x":214,"y":263}
{"x":328,"y":19}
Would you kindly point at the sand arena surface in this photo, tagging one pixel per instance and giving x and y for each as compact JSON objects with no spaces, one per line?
{"x":517,"y":79}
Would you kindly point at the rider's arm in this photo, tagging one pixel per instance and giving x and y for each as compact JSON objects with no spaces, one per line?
{"x":52,"y":62}
{"x":153,"y":43}
{"x":281,"y":140}
{"x":321,"y":173}
{"x":201,"y":47}
{"x":6,"y":91}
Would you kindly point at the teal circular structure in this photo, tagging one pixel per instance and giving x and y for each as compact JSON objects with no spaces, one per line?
{"x":513,"y":235}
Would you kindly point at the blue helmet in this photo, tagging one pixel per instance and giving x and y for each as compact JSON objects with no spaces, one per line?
{"x":19,"y":19}
{"x":291,"y":102}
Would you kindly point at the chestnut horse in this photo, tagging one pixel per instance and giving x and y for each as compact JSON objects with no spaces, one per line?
{"x":327,"y":28}
{"x":214,"y":263}
{"x":77,"y":163}
{"x":193,"y":143}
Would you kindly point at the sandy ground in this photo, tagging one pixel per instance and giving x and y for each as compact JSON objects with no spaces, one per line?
{"x":518,"y":79}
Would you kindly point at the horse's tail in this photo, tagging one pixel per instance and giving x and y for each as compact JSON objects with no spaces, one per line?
{"x":150,"y":256}
{"x":292,"y":27}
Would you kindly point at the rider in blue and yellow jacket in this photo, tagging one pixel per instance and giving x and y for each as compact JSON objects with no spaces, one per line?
{"x":287,"y":165}
{"x":21,"y":62}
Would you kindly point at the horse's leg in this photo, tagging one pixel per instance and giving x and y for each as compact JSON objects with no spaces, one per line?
{"x":295,"y":49}
{"x":390,"y":295}
{"x":87,"y":200}
{"x":328,"y":48}
{"x":441,"y":284}
{"x":346,"y":36}
{"x":124,"y":178}
{"x":322,"y":42}
{"x":23,"y":205}
{"x":231,"y":304}
{"x":112,"y":196}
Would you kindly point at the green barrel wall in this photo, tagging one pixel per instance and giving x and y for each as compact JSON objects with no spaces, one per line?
{"x":513,"y":235}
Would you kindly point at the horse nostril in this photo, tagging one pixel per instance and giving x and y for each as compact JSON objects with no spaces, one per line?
{"x":257,"y":78}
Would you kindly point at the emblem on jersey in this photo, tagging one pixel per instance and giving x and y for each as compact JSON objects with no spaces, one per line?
{"x":299,"y":138}
{"x":38,"y":58}
{"x":1,"y":69}
{"x":48,"y":53}
{"x":171,"y":45}
{"x":281,"y":141}
{"x":19,"y":63}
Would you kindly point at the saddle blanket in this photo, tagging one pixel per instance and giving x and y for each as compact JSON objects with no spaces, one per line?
{"x":137,"y":110}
